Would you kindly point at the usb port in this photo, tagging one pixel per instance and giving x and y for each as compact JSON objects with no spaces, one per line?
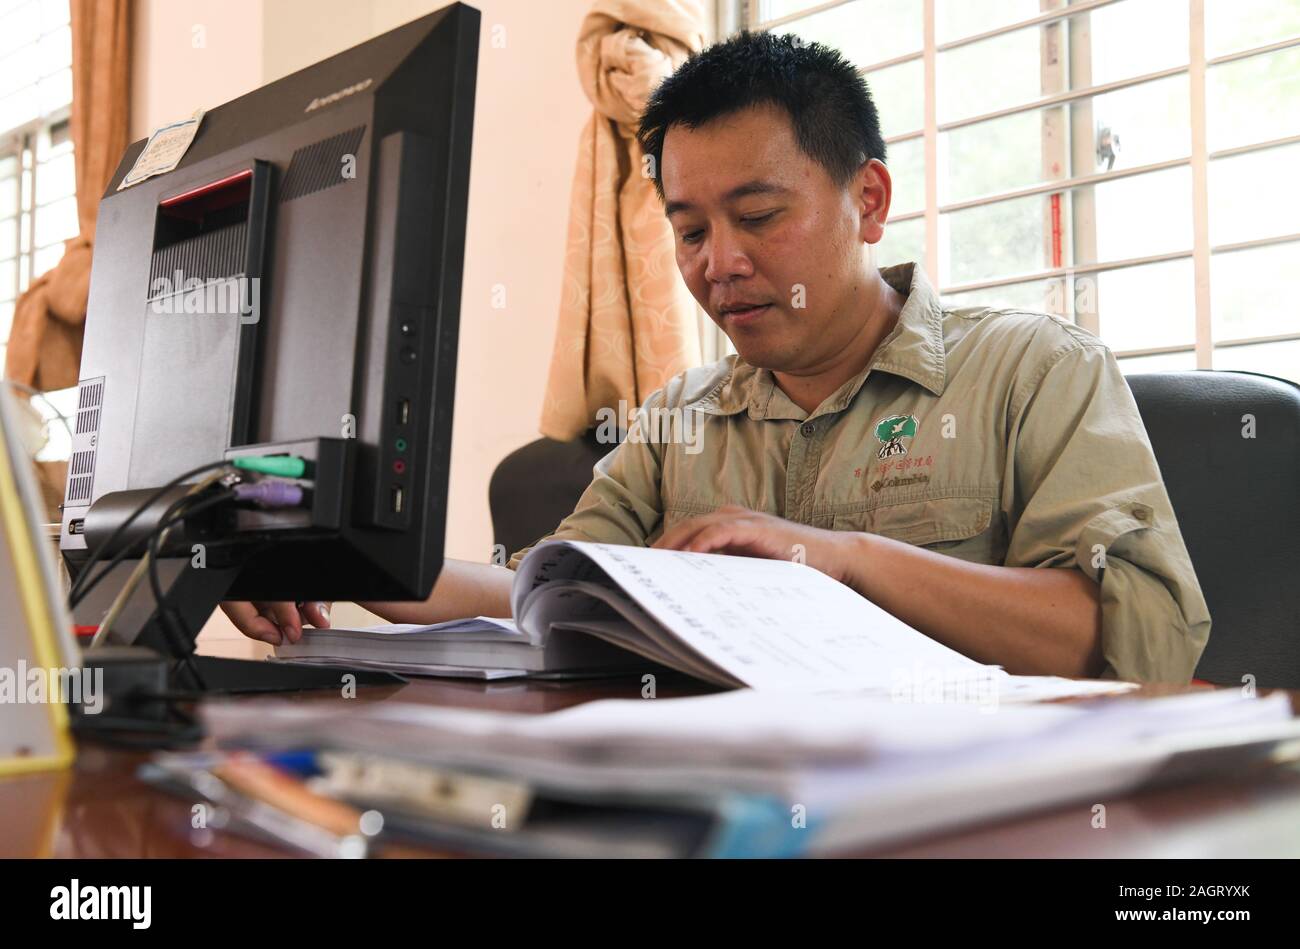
{"x":399,"y":499}
{"x":403,"y":411}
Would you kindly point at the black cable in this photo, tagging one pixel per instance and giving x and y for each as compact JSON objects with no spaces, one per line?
{"x":77,"y":593}
{"x":173,"y":627}
{"x":82,"y":586}
{"x":180,"y":510}
{"x":180,"y":729}
{"x":75,"y":596}
{"x":130,"y":550}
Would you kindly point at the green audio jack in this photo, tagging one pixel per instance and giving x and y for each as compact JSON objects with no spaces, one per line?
{"x":282,"y":466}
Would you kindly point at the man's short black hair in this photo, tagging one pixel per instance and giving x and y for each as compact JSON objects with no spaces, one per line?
{"x":834,"y":118}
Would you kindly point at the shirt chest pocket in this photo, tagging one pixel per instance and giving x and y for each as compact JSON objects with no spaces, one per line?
{"x":964,"y":527}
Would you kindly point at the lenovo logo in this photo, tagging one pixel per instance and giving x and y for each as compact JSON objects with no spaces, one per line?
{"x":336,"y":96}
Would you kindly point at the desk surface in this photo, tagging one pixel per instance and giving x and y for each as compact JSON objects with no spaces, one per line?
{"x":100,"y":809}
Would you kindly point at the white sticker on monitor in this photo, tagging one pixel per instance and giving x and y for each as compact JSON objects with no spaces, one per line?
{"x":164,"y":150}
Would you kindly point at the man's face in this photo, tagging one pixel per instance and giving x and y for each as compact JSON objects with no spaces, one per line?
{"x":767,"y":242}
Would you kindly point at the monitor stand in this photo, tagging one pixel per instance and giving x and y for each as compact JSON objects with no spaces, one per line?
{"x":144,"y":678}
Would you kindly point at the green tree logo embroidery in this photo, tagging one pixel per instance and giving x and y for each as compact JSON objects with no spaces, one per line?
{"x":891,"y":432}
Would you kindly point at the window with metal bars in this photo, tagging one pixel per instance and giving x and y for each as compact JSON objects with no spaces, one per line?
{"x":38,"y":206}
{"x":1126,"y":164}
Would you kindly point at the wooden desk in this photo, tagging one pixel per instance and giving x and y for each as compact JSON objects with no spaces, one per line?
{"x":100,"y":809}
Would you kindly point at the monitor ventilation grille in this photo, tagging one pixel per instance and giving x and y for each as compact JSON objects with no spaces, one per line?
{"x":88,"y":421}
{"x":214,"y":255}
{"x":321,"y":165}
{"x":85,"y":439}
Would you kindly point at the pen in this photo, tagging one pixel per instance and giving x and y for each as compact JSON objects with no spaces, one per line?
{"x":277,"y":788}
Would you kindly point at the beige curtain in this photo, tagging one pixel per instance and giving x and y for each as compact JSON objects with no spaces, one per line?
{"x":45,"y":343}
{"x":627,"y":322}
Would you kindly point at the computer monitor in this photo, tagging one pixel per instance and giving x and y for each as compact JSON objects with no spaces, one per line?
{"x":292,"y":288}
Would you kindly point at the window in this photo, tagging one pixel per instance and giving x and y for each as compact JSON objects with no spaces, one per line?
{"x":38,"y":205}
{"x":1126,"y":164}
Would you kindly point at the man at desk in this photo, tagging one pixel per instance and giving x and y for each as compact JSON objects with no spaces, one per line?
{"x":981,"y":473}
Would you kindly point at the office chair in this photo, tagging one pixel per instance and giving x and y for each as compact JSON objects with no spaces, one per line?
{"x":537,"y":486}
{"x":1237,"y":500}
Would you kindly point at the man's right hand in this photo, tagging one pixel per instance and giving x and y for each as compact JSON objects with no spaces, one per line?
{"x":276,"y":623}
{"x":463,"y":589}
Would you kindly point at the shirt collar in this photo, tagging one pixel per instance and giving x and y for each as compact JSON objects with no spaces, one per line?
{"x":913,"y":349}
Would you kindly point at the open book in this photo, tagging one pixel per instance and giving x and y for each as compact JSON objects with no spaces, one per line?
{"x":734,"y":621}
{"x":731,"y":621}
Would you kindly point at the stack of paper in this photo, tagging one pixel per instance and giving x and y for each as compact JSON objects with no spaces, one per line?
{"x":832,"y":771}
{"x":482,"y":647}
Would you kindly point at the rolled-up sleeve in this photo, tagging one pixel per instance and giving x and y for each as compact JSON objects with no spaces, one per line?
{"x":1088,"y":494}
{"x":622,"y":505}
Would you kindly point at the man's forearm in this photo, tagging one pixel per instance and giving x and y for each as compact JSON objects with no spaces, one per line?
{"x":1032,"y":621}
{"x":462,"y":589}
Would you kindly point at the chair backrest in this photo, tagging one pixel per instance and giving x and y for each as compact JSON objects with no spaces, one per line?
{"x":537,"y":486}
{"x":1228,"y":446}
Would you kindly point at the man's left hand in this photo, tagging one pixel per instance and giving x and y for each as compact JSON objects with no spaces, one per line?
{"x":736,"y":530}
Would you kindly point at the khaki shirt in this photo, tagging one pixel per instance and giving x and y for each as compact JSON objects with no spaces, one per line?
{"x":997,"y":436}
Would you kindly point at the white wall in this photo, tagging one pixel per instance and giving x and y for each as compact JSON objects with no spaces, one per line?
{"x":530,"y":110}
{"x":191,"y":53}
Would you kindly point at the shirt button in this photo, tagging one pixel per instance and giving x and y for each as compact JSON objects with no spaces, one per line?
{"x":808,"y":428}
{"x":1140,"y":513}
